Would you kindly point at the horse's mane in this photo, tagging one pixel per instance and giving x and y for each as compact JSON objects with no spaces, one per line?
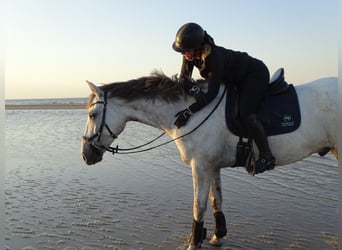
{"x":156,"y":86}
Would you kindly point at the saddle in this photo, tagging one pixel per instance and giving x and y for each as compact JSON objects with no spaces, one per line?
{"x":279,"y":113}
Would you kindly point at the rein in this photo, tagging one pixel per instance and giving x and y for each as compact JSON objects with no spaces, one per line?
{"x":117,"y":150}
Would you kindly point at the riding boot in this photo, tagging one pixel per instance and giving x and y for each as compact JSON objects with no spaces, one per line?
{"x":256,"y":130}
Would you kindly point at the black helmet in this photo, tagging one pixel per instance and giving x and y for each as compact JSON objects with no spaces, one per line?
{"x":189,"y":36}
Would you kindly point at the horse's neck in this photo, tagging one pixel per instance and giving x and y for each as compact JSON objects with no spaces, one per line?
{"x":161,"y":114}
{"x":158,"y":114}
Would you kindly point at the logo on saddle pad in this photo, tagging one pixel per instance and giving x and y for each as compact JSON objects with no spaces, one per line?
{"x":287,"y":121}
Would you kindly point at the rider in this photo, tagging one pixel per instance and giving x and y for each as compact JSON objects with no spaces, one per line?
{"x":218,"y":64}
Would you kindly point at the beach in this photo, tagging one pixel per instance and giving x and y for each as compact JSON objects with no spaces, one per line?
{"x":53,"y":200}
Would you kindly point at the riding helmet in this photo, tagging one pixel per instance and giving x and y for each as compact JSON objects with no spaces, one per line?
{"x":189,"y":36}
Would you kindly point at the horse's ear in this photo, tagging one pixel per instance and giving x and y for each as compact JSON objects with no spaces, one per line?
{"x":96,"y":90}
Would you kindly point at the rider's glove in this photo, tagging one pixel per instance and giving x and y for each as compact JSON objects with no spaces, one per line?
{"x":182,"y":117}
{"x":189,"y":86}
{"x":195,"y":90}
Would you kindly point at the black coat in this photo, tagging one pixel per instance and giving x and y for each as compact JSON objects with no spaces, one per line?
{"x":221,"y":65}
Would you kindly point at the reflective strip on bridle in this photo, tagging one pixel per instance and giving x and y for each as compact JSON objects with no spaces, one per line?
{"x":98,"y":134}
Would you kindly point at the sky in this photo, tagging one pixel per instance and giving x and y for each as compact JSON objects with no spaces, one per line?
{"x":53,"y":46}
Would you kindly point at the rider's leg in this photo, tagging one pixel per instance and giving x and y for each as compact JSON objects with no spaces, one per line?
{"x":256,"y":130}
{"x":252,"y":91}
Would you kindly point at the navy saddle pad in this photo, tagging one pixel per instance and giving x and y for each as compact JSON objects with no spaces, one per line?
{"x":279,"y":113}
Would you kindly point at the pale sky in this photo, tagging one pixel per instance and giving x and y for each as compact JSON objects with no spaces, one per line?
{"x":53,"y":46}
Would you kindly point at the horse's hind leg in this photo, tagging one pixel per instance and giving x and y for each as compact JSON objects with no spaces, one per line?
{"x":334,"y":152}
{"x":215,"y":196}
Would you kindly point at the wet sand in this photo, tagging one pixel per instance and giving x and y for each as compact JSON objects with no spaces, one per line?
{"x":144,"y":201}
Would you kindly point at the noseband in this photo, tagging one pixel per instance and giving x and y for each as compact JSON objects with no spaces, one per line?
{"x":91,"y":140}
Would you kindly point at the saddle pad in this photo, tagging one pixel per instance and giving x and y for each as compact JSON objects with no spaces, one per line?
{"x":280,"y":113}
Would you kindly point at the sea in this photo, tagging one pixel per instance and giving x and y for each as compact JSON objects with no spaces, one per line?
{"x":53,"y":200}
{"x":46,"y":101}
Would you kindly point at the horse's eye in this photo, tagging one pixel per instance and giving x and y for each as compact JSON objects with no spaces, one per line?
{"x":91,"y":116}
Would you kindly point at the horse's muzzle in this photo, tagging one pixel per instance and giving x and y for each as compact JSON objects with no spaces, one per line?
{"x":91,"y":154}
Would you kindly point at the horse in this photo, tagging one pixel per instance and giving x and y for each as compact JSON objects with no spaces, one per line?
{"x":205,"y":143}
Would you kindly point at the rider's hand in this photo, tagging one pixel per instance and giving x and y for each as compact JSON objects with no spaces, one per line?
{"x":189,"y":86}
{"x":182,"y":117}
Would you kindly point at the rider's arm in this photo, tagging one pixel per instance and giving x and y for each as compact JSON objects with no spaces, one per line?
{"x":213,"y":70}
{"x":186,"y":69}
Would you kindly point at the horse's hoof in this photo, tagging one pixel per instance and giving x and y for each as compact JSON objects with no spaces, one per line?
{"x":192,"y":248}
{"x":215,"y":241}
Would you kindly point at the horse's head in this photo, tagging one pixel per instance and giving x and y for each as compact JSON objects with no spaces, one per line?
{"x":151,"y":100}
{"x":101,"y":129}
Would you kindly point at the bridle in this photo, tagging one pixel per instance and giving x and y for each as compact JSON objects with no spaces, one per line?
{"x":116,"y":150}
{"x":92,"y":139}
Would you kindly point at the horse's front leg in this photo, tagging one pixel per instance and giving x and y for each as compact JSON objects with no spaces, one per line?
{"x":215,"y":196}
{"x":201,"y":182}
